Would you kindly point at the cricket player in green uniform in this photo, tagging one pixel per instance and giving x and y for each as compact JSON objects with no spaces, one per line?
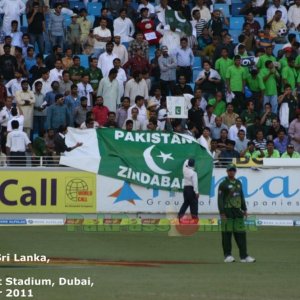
{"x":233,"y":209}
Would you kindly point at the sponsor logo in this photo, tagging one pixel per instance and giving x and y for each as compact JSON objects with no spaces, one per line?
{"x":125,"y":193}
{"x":12,"y":222}
{"x":263,"y":222}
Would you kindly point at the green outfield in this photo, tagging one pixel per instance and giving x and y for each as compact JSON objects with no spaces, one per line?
{"x":142,"y":265}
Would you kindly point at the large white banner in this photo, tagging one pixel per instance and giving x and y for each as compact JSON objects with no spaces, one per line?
{"x":267,"y":191}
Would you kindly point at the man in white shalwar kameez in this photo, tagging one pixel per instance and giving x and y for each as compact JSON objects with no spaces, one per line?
{"x":12,"y":9}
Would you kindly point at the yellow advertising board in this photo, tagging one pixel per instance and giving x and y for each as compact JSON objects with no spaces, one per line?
{"x":54,"y":191}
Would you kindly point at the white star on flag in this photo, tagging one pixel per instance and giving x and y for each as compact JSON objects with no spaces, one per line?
{"x":165,"y":156}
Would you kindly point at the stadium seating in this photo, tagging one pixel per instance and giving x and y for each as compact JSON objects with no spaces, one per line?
{"x":224,"y":8}
{"x":77,"y":5}
{"x":84,"y":60}
{"x":234,"y":34}
{"x":261,"y":21}
{"x":276,"y":49}
{"x":236,"y":23}
{"x":197,"y":62}
{"x":235,"y":9}
{"x":94,"y":8}
{"x":24,"y":21}
{"x":67,"y":21}
{"x":91,"y":19}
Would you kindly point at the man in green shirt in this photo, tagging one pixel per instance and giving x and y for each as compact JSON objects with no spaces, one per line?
{"x":265,"y":57}
{"x":270,"y":152}
{"x":95,"y":73}
{"x":223,"y":63}
{"x":233,"y":209}
{"x":76,"y":71}
{"x":248,"y":115}
{"x":289,"y":74}
{"x":290,"y":152}
{"x":235,"y":82}
{"x":270,"y":78}
{"x":256,"y":85}
{"x":218,"y":104}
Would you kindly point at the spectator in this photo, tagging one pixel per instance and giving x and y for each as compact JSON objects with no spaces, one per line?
{"x":51,"y":58}
{"x":122,"y":112}
{"x":182,"y":88}
{"x":109,"y":90}
{"x":149,"y":6}
{"x":72,"y":100}
{"x":204,"y":11}
{"x":16,"y":115}
{"x":120,"y":50}
{"x":138,"y":43}
{"x":25,"y":99}
{"x":80,"y":111}
{"x":124,"y":27}
{"x":50,"y":96}
{"x":76,"y":71}
{"x":217,"y":128}
{"x":270,"y":77}
{"x":140,"y":105}
{"x":135,"y":87}
{"x":86,"y":90}
{"x":8,"y":41}
{"x":241,"y":142}
{"x":100,"y":111}
{"x":59,"y":141}
{"x":250,"y":152}
{"x":254,"y":25}
{"x":209,"y":117}
{"x":102,"y":35}
{"x":281,"y":142}
{"x":40,"y":110}
{"x":267,"y":116}
{"x":229,"y":117}
{"x":226,"y":43}
{"x":160,"y":11}
{"x":56,"y":72}
{"x":223,"y":63}
{"x":205,"y":138}
{"x":104,"y":14}
{"x":85,"y":27}
{"x":234,"y":129}
{"x":121,"y":77}
{"x":133,"y":116}
{"x":14,"y":85}
{"x":167,"y":65}
{"x":15,"y":34}
{"x":235,"y":77}
{"x":131,"y":11}
{"x":105,"y":61}
{"x":289,"y":74}
{"x":170,"y":37}
{"x":65,"y":83}
{"x":128,"y":125}
{"x":36,"y":70}
{"x":252,"y":129}
{"x":195,"y":115}
{"x":95,"y":73}
{"x":260,"y":142}
{"x":208,"y":80}
{"x":274,"y":130}
{"x":197,"y":23}
{"x":12,"y":11}
{"x":58,"y":114}
{"x":218,"y":104}
{"x":294,"y":15}
{"x":36,"y":26}
{"x":74,"y":34}
{"x":8,"y":64}
{"x":216,"y":22}
{"x":277,"y":25}
{"x":228,"y":154}
{"x":248,"y":116}
{"x":294,"y":132}
{"x":185,"y":60}
{"x":45,"y":80}
{"x":290,"y":152}
{"x":270,"y":152}
{"x":275,"y":7}
{"x":56,"y":26}
{"x":137,"y":63}
{"x":111,"y":120}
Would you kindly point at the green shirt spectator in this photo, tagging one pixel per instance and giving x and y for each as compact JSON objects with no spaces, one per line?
{"x":289,"y":75}
{"x":76,"y":71}
{"x":263,"y":58}
{"x":218,"y":104}
{"x":249,"y":115}
{"x":236,"y":75}
{"x":255,"y":83}
{"x":290,"y":152}
{"x":270,"y":77}
{"x":223,"y":63}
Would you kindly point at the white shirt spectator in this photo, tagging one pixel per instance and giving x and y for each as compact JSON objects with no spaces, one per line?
{"x":294,"y":15}
{"x":46,"y":85}
{"x":20,"y":119}
{"x":102,"y":33}
{"x":13,"y":85}
{"x":204,"y":12}
{"x":212,"y":74}
{"x":124,"y":28}
{"x":105,"y":63}
{"x":5,"y":116}
{"x":209,"y":122}
{"x":149,"y":6}
{"x":17,"y":141}
{"x":136,"y":124}
{"x":121,"y":78}
{"x":271,"y":12}
{"x":160,"y":13}
{"x":16,"y":38}
{"x":121,"y":52}
{"x":142,"y":115}
{"x":171,"y":39}
{"x":159,"y":125}
{"x":133,"y":89}
{"x":233,"y":132}
{"x":85,"y":91}
{"x":55,"y":75}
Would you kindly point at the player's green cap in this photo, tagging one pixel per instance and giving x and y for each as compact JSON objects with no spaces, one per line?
{"x":231,"y":167}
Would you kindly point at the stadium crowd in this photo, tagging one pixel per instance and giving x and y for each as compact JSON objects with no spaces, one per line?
{"x":113,"y":63}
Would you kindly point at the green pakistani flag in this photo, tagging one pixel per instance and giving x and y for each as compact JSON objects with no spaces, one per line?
{"x":177,"y":20}
{"x":152,"y":159}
